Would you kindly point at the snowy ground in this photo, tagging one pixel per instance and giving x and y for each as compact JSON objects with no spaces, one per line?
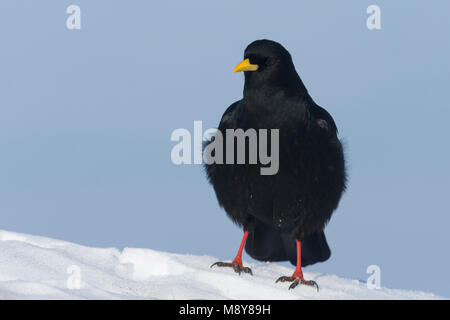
{"x":34,"y":267}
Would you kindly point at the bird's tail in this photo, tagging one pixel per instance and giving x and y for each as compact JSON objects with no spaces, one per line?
{"x":266,"y":242}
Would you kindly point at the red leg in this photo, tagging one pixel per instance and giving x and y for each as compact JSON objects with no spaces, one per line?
{"x":237,"y":262}
{"x":297,"y":276}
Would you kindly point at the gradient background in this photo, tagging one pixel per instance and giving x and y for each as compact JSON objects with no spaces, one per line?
{"x":86,"y":118}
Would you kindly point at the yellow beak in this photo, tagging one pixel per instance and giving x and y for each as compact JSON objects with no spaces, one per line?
{"x":245,"y":66}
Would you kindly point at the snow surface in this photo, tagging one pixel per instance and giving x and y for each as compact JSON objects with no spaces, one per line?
{"x":33,"y":267}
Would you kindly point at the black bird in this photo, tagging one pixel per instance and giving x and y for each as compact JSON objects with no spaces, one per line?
{"x":283,"y":215}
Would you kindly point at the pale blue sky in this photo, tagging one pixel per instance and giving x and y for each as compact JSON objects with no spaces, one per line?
{"x":86,"y":118}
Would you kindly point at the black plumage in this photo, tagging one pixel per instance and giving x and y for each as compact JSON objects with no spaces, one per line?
{"x":292,"y":206}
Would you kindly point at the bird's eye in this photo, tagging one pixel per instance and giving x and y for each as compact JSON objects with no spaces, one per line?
{"x":265,"y":61}
{"x":270,"y":61}
{"x":260,"y":61}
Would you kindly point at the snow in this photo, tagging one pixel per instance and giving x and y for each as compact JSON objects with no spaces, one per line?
{"x":33,"y":267}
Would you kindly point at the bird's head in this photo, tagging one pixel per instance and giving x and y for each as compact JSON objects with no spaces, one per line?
{"x":267,"y":65}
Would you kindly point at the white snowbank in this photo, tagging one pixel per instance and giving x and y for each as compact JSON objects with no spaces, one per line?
{"x":34,"y":267}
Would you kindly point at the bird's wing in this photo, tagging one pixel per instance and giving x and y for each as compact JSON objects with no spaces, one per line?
{"x":218,"y":174}
{"x":228,"y":121}
{"x":324,"y":120}
{"x":230,"y":117}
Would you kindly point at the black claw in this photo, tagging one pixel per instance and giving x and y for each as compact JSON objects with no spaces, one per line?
{"x":282,"y":279}
{"x":311,"y":283}
{"x":293,"y":284}
{"x":297,"y":281}
{"x":216,"y":264}
{"x":314,"y":284}
{"x":237,"y":268}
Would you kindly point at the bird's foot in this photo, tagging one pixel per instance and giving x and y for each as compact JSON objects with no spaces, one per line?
{"x":296,"y":279}
{"x":237,"y":266}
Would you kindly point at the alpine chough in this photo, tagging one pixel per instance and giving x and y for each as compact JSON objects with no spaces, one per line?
{"x":283,"y":215}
